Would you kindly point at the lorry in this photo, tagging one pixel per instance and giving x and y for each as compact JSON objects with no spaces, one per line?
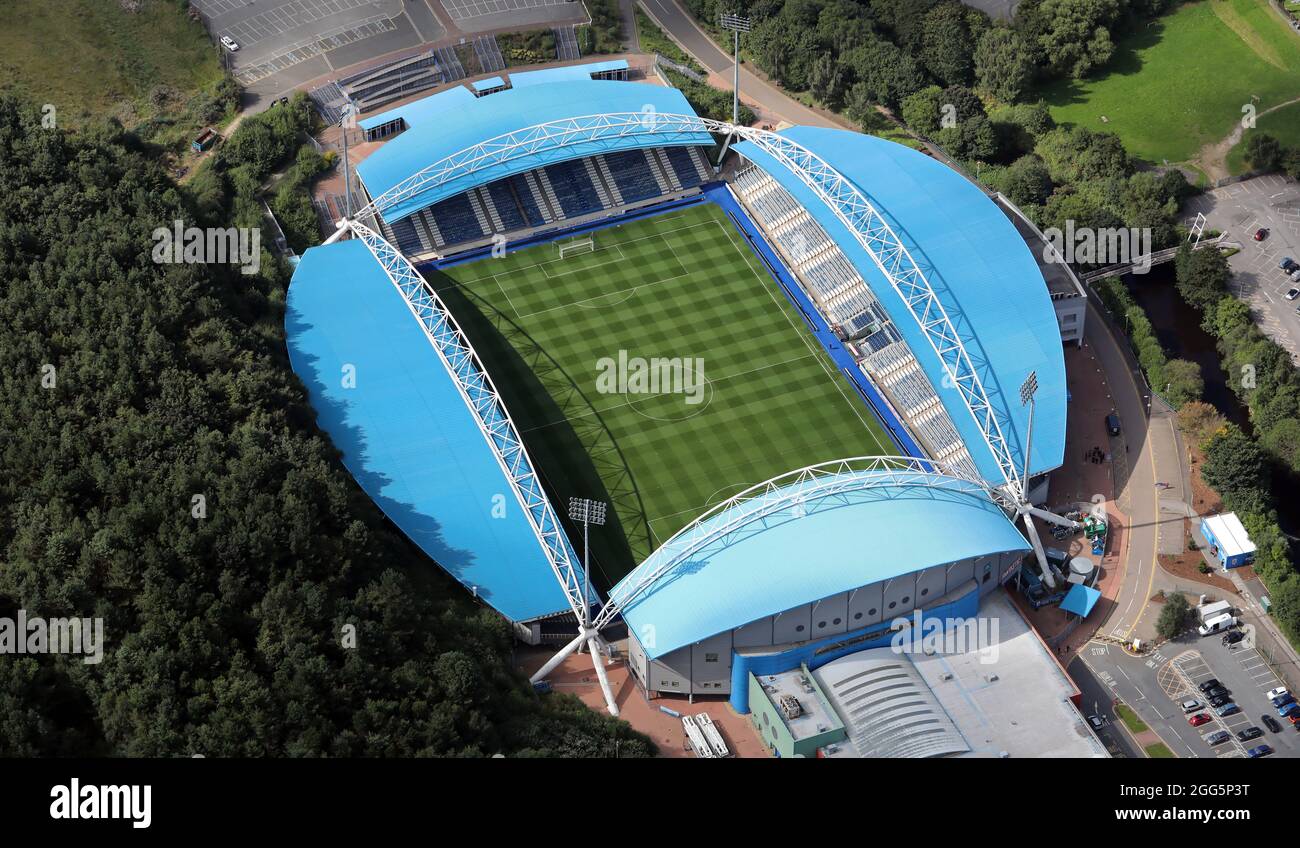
{"x":1205,"y":612}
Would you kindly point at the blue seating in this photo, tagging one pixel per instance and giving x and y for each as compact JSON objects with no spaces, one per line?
{"x":527,"y":201}
{"x":408,"y":240}
{"x":456,"y":220}
{"x":573,"y":188}
{"x":683,"y":166}
{"x":632,"y":173}
{"x":507,"y":207}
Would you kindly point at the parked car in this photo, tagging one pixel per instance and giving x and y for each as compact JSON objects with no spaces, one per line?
{"x":1198,"y":719}
{"x":229,"y":43}
{"x":1287,"y":709}
{"x":1191,"y":705}
{"x":1288,"y":264}
{"x":1273,"y":694}
{"x":1261,"y":234}
{"x":1227,"y":710}
{"x":1259,"y":751}
{"x":1292,"y":294}
{"x":1271,"y":723}
{"x":1233,"y":637}
{"x":1280,"y":700}
{"x":1218,"y":737}
{"x":1220,"y":700}
{"x":1209,"y":684}
{"x":1112,"y":424}
{"x":1249,"y":733}
{"x":1294,"y":718}
{"x":1295,"y":276}
{"x":1217,"y":689}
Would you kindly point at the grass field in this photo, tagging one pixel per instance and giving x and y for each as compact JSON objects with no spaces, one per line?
{"x":92,"y":59}
{"x":1180,"y":82}
{"x":683,"y":284}
{"x":1284,"y":125}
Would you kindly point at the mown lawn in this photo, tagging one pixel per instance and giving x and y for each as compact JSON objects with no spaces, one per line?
{"x":1181,"y":81}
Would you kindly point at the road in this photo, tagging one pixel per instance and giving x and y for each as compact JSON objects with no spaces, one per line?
{"x":674,"y":20}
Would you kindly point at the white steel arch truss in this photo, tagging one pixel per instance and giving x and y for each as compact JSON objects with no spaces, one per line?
{"x":845,"y":199}
{"x":481,"y":398}
{"x":788,"y":497}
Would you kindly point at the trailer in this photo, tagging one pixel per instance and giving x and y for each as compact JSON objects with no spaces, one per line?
{"x":1205,"y":612}
{"x":204,"y":140}
{"x":712,"y":735}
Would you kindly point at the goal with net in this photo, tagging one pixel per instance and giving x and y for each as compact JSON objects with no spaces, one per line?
{"x":586,"y":244}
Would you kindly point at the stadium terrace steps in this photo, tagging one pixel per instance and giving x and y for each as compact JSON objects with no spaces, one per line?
{"x":489,"y":53}
{"x":598,"y":184}
{"x":667,"y":169}
{"x":688,"y":168}
{"x":572,"y":188}
{"x":566,"y":43}
{"x":489,"y":206}
{"x":607,"y":178}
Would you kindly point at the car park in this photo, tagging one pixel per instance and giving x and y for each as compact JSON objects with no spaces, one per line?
{"x":1259,"y":751}
{"x":1249,"y":733}
{"x":1191,"y":705}
{"x":1227,"y":710}
{"x":1198,"y":719}
{"x":1218,"y":737}
{"x":1271,"y":723}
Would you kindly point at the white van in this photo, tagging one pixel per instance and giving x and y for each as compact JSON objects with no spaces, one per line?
{"x":1217,"y":624}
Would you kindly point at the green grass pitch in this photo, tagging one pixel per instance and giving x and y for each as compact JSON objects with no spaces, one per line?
{"x":682,"y":284}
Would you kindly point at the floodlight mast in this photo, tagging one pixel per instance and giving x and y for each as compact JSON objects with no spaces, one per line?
{"x":737,"y":24}
{"x":589,"y":512}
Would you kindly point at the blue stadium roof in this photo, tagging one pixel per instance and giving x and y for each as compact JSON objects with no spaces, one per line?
{"x":567,"y":73}
{"x":423,"y":112}
{"x":980,"y":267}
{"x":437,"y":135}
{"x":841,"y":542}
{"x":406,"y":434}
{"x":490,"y":82}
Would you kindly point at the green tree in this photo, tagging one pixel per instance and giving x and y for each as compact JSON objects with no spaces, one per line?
{"x":1027,"y":181}
{"x":1234,"y":464}
{"x":1263,"y":152}
{"x":1003,"y":64}
{"x":923,"y":110}
{"x":1175,"y":616}
{"x":1183,"y":382}
{"x":947,"y":44}
{"x":1075,"y":37}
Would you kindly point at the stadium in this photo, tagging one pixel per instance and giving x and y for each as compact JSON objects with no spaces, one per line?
{"x":817,"y":377}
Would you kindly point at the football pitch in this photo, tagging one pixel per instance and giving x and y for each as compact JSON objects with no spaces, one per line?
{"x":746,"y":392}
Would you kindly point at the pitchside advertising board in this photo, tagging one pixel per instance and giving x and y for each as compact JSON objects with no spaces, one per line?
{"x":130,"y":799}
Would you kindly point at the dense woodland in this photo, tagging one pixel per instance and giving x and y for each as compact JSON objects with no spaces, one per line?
{"x":224,"y":632}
